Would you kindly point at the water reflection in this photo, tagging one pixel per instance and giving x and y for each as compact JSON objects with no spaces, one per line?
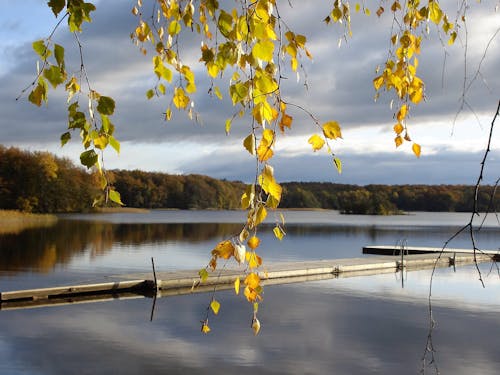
{"x":41,"y":249}
{"x":101,"y":243}
{"x":317,"y":328}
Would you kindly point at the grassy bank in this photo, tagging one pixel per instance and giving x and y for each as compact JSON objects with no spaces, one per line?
{"x":16,"y":221}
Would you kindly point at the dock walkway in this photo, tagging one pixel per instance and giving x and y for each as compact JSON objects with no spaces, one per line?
{"x":185,"y":282}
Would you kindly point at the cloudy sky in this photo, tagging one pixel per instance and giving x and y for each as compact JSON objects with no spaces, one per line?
{"x":339,"y":82}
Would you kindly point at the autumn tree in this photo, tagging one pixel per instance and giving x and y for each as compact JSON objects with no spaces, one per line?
{"x":248,"y":48}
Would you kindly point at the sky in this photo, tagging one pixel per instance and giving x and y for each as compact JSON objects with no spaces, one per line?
{"x":339,"y":87}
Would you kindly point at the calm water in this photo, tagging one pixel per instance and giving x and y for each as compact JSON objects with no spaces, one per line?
{"x":364,"y":325}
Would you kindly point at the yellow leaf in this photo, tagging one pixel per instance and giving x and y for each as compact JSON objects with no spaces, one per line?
{"x":217,"y":92}
{"x":252,"y":280}
{"x":248,"y":196}
{"x":378,"y":82}
{"x":338,"y":164}
{"x":205,"y":328}
{"x":316,"y":142}
{"x":180,"y":99}
{"x":278,"y":232}
{"x":402,"y":113}
{"x":249,"y":143}
{"x":453,"y":36}
{"x":224,"y":249}
{"x":416,"y":149}
{"x":269,"y":184}
{"x":398,"y":128}
{"x":168,"y":114}
{"x":215,"y":306}
{"x":237,"y":285}
{"x":398,"y":140}
{"x":285,"y":122}
{"x":255,"y":307}
{"x":264,"y":151}
{"x":253,"y":260}
{"x":253,"y":242}
{"x":255,"y":326}
{"x":331,"y":130}
{"x":261,"y":215}
{"x":263,"y":50}
{"x":174,"y":28}
{"x":435,"y":12}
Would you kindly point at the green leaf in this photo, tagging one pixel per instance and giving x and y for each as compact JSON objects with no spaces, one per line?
{"x":38,"y":94}
{"x":225,"y":23}
{"x":54,"y":75}
{"x":150,"y":93}
{"x":106,"y":105}
{"x":65,"y":137}
{"x":59,"y":55}
{"x":203,"y":274}
{"x":114,"y":143}
{"x":41,"y":49}
{"x":57,"y":6}
{"x":114,"y":196}
{"x":89,"y":158}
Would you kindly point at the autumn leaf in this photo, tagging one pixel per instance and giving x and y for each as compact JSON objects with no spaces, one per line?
{"x":253,"y":260}
{"x":316,"y":142}
{"x":224,"y":249}
{"x":398,"y":140}
{"x":237,"y":285}
{"x":239,"y":253}
{"x":215,"y":306}
{"x":331,"y":130}
{"x":278,"y":232}
{"x":203,"y":274}
{"x":338,"y":164}
{"x":263,"y":50}
{"x":249,"y":143}
{"x":180,"y":99}
{"x":255,"y":326}
{"x":264,"y":151}
{"x":416,"y":149}
{"x":204,"y":327}
{"x":252,"y":280}
{"x":398,"y":128}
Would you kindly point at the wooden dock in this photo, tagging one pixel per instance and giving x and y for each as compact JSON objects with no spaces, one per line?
{"x":407,"y":250}
{"x":186,"y":282}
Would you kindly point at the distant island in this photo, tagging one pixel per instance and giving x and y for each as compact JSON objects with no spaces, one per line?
{"x":40,"y":182}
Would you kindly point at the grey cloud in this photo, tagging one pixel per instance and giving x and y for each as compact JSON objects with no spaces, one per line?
{"x":340,"y":88}
{"x":446,"y":167}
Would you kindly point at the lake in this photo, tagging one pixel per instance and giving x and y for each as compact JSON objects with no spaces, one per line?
{"x":361,"y":325}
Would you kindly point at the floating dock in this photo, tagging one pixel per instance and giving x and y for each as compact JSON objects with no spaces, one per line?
{"x":163,"y":284}
{"x":407,"y":250}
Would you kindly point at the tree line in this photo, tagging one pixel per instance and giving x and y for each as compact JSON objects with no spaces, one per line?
{"x":41,"y":182}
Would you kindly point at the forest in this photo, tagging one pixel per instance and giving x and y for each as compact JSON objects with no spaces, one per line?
{"x":43,"y":183}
